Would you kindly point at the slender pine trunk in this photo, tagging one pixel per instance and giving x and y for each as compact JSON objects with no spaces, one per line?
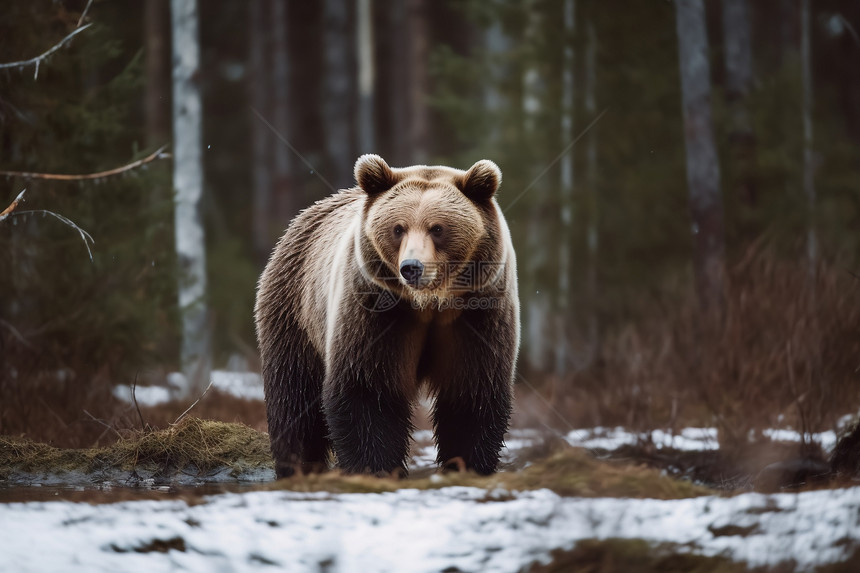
{"x":808,"y":165}
{"x":703,"y":170}
{"x":565,"y":247}
{"x":262,"y":142}
{"x":366,"y":77}
{"x":339,"y":92}
{"x":592,"y":235}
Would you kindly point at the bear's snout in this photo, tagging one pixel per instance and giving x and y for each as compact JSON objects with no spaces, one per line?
{"x":412,"y":270}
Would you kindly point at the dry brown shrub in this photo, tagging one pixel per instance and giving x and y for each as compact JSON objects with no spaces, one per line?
{"x":783,"y":351}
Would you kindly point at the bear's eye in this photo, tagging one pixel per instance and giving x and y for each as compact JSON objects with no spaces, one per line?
{"x":436,"y":230}
{"x":398,"y":231}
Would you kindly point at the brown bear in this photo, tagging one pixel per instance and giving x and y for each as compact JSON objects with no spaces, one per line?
{"x":408,"y":279}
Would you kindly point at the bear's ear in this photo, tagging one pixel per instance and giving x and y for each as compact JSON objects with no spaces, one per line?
{"x":373,"y":174}
{"x":481,"y":181}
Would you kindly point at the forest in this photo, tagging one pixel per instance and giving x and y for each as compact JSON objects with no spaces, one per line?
{"x":680,"y":179}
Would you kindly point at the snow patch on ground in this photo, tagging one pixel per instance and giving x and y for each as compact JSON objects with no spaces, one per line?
{"x":413,"y":531}
{"x":688,"y":439}
{"x":245,"y":385}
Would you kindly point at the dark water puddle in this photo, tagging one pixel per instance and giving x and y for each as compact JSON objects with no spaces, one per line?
{"x":116,"y":486}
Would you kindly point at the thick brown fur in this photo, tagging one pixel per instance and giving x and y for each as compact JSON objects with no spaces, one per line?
{"x":346,"y":342}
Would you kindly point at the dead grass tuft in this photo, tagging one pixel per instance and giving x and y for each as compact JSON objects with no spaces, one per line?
{"x":201,"y":444}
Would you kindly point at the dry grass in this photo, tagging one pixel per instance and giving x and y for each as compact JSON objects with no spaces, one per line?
{"x":783,"y":352}
{"x":202,"y":444}
{"x":207,"y":445}
{"x":636,"y":556}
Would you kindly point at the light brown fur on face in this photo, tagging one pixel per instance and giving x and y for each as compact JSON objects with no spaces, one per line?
{"x":430,"y":221}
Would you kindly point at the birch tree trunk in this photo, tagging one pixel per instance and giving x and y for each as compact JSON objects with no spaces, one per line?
{"x":366,"y":77}
{"x":808,"y":166}
{"x":338,"y":105}
{"x":591,"y":202}
{"x":703,"y":170}
{"x":739,"y":75}
{"x":262,"y":142}
{"x":188,"y":184}
{"x":289,"y":202}
{"x":563,"y":318}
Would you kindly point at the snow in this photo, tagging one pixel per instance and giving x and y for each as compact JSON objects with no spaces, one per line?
{"x":145,"y":395}
{"x":688,"y":439}
{"x":413,"y":531}
{"x":245,"y":385}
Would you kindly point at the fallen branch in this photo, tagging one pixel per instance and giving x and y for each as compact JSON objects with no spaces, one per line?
{"x":157,"y":154}
{"x":8,"y":210}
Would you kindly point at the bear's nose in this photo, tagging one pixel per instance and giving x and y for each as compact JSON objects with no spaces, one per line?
{"x":411,"y":270}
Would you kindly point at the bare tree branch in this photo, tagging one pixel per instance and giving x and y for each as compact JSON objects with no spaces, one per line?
{"x":38,"y":59}
{"x":157,"y":154}
{"x":85,"y":237}
{"x":8,"y":210}
{"x":84,"y":13}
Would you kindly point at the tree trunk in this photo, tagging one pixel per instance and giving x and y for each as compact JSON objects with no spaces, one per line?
{"x":366,"y":77}
{"x":563,"y":316}
{"x":418,"y":81}
{"x":739,"y":76}
{"x":262,"y":142}
{"x":157,"y":60}
{"x":338,"y":105}
{"x":289,"y":201}
{"x":808,"y":166}
{"x":591,"y":203}
{"x":398,"y":85}
{"x":496,"y":49}
{"x":539,"y":301}
{"x":703,"y":170}
{"x":188,"y":184}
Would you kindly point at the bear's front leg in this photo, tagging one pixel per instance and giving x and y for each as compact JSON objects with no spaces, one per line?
{"x":366,"y":407}
{"x":473,"y":386}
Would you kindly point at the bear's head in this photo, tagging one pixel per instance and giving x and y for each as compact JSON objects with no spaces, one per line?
{"x":429,"y":232}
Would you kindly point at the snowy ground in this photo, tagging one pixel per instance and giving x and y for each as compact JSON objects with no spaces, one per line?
{"x":410,"y":530}
{"x":247,"y":385}
{"x":688,"y":439}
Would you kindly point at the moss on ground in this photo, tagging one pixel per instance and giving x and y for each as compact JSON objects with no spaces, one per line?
{"x":569,"y":472}
{"x":208,"y":445}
